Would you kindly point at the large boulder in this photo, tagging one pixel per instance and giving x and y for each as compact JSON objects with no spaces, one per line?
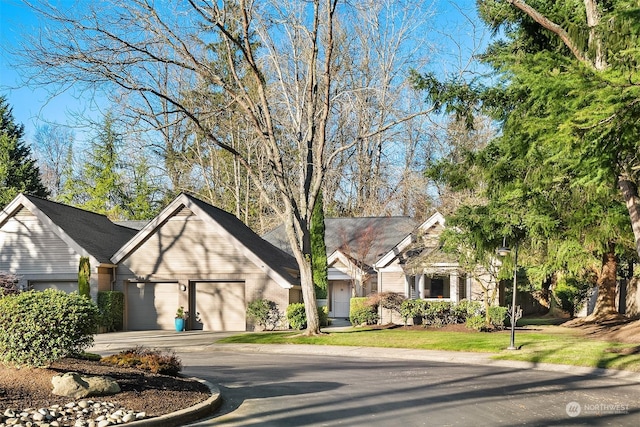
{"x":72,"y":384}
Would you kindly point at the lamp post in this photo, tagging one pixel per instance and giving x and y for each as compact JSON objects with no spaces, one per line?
{"x":515,"y":313}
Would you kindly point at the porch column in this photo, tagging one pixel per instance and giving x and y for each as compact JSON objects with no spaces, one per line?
{"x":453,"y":286}
{"x":420,"y":279}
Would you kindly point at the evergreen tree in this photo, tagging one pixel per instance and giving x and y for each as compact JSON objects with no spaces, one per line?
{"x":99,"y":188}
{"x":319,"y":250}
{"x":18,"y":170}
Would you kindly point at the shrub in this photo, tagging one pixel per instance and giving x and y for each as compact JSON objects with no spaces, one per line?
{"x":410,"y":309}
{"x":265,"y":313}
{"x":497,"y":315}
{"x":465,"y":309}
{"x":389,"y":300}
{"x":365,"y":314}
{"x":438,"y":313}
{"x":296,"y":316}
{"x":156,"y":361}
{"x":323,"y":315}
{"x":361,"y":311}
{"x":8,"y":283}
{"x":39,"y":328}
{"x":84,"y":274}
{"x":111,"y":306}
{"x":476,"y":322}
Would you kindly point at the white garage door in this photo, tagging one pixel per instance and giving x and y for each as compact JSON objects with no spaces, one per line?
{"x":67,"y":287}
{"x":219,"y":306}
{"x":151,"y":306}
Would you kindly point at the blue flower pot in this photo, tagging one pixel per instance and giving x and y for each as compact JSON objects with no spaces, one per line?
{"x":179,"y":325}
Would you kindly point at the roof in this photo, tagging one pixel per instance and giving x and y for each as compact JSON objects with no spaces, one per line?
{"x":275,"y":262}
{"x":93,"y":232}
{"x":421,"y":251}
{"x":365,"y":239}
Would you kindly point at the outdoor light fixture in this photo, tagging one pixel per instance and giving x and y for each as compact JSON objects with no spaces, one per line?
{"x":504,"y":250}
{"x":515,"y":313}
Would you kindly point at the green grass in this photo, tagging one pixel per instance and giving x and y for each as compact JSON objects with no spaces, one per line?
{"x":544,"y":344}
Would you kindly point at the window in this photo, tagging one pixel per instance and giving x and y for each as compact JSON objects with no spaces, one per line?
{"x":436,"y":290}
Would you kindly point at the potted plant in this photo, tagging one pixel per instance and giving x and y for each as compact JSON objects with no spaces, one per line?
{"x":181,"y":317}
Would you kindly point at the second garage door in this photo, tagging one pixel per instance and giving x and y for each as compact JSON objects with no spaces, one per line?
{"x":151,"y":306}
{"x":219,"y":306}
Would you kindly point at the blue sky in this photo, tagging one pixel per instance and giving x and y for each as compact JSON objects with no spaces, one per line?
{"x":34,"y":106}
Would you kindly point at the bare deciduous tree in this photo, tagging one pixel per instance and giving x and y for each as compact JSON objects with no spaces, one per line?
{"x":274,"y":63}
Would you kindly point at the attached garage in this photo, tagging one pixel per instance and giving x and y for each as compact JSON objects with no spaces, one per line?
{"x":151,"y":305}
{"x":217,"y":265}
{"x":218,"y":306}
{"x":67,"y":287}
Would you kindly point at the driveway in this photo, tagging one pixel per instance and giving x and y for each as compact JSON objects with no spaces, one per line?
{"x":327,"y":386}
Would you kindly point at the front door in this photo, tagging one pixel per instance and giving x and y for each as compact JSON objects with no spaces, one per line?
{"x":340,"y":296}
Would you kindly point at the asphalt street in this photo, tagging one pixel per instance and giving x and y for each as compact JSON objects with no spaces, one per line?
{"x":329,"y":386}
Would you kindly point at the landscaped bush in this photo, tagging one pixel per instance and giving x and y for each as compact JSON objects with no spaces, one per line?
{"x":156,"y":361}
{"x":323,"y":315}
{"x":465,"y":309}
{"x":438,"y":313}
{"x":477,"y":322}
{"x":364,"y":315}
{"x":411,"y":309}
{"x":361,"y":311}
{"x":497,"y":315}
{"x":391,"y":301}
{"x":39,"y":328}
{"x":264,"y":313}
{"x":8,"y":283}
{"x":111,"y":306}
{"x":296,"y":316}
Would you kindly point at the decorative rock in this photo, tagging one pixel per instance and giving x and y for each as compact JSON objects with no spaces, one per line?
{"x":71,"y":384}
{"x":102,"y":386}
{"x":95,"y":414}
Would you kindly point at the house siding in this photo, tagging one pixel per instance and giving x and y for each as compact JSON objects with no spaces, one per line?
{"x":35,"y":252}
{"x":187,"y":245}
{"x":392,"y":281}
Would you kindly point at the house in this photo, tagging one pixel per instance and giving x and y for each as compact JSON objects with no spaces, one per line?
{"x":205,"y":259}
{"x":353,"y":247}
{"x":191,"y":255}
{"x":42,"y":241}
{"x":391,"y":254}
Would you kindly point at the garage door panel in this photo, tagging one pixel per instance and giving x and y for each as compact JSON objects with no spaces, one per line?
{"x":220,"y":306}
{"x":151,"y":306}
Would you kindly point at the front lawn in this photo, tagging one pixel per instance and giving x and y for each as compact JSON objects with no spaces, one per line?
{"x":549,"y":344}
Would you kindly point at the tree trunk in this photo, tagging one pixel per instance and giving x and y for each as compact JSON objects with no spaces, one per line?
{"x":606,"y":303}
{"x":309,"y":297}
{"x":630,"y":194}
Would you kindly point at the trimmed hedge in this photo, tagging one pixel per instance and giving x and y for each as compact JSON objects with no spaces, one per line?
{"x":39,"y":328}
{"x":111,"y":306}
{"x":361,"y":311}
{"x":297,"y":316}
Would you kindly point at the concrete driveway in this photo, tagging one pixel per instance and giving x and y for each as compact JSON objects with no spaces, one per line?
{"x":180,"y":342}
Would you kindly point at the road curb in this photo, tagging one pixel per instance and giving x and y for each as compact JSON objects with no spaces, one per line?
{"x":187,"y":415}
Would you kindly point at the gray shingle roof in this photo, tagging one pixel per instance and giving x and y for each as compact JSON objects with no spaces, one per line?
{"x":365,"y":239}
{"x":93,"y":232}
